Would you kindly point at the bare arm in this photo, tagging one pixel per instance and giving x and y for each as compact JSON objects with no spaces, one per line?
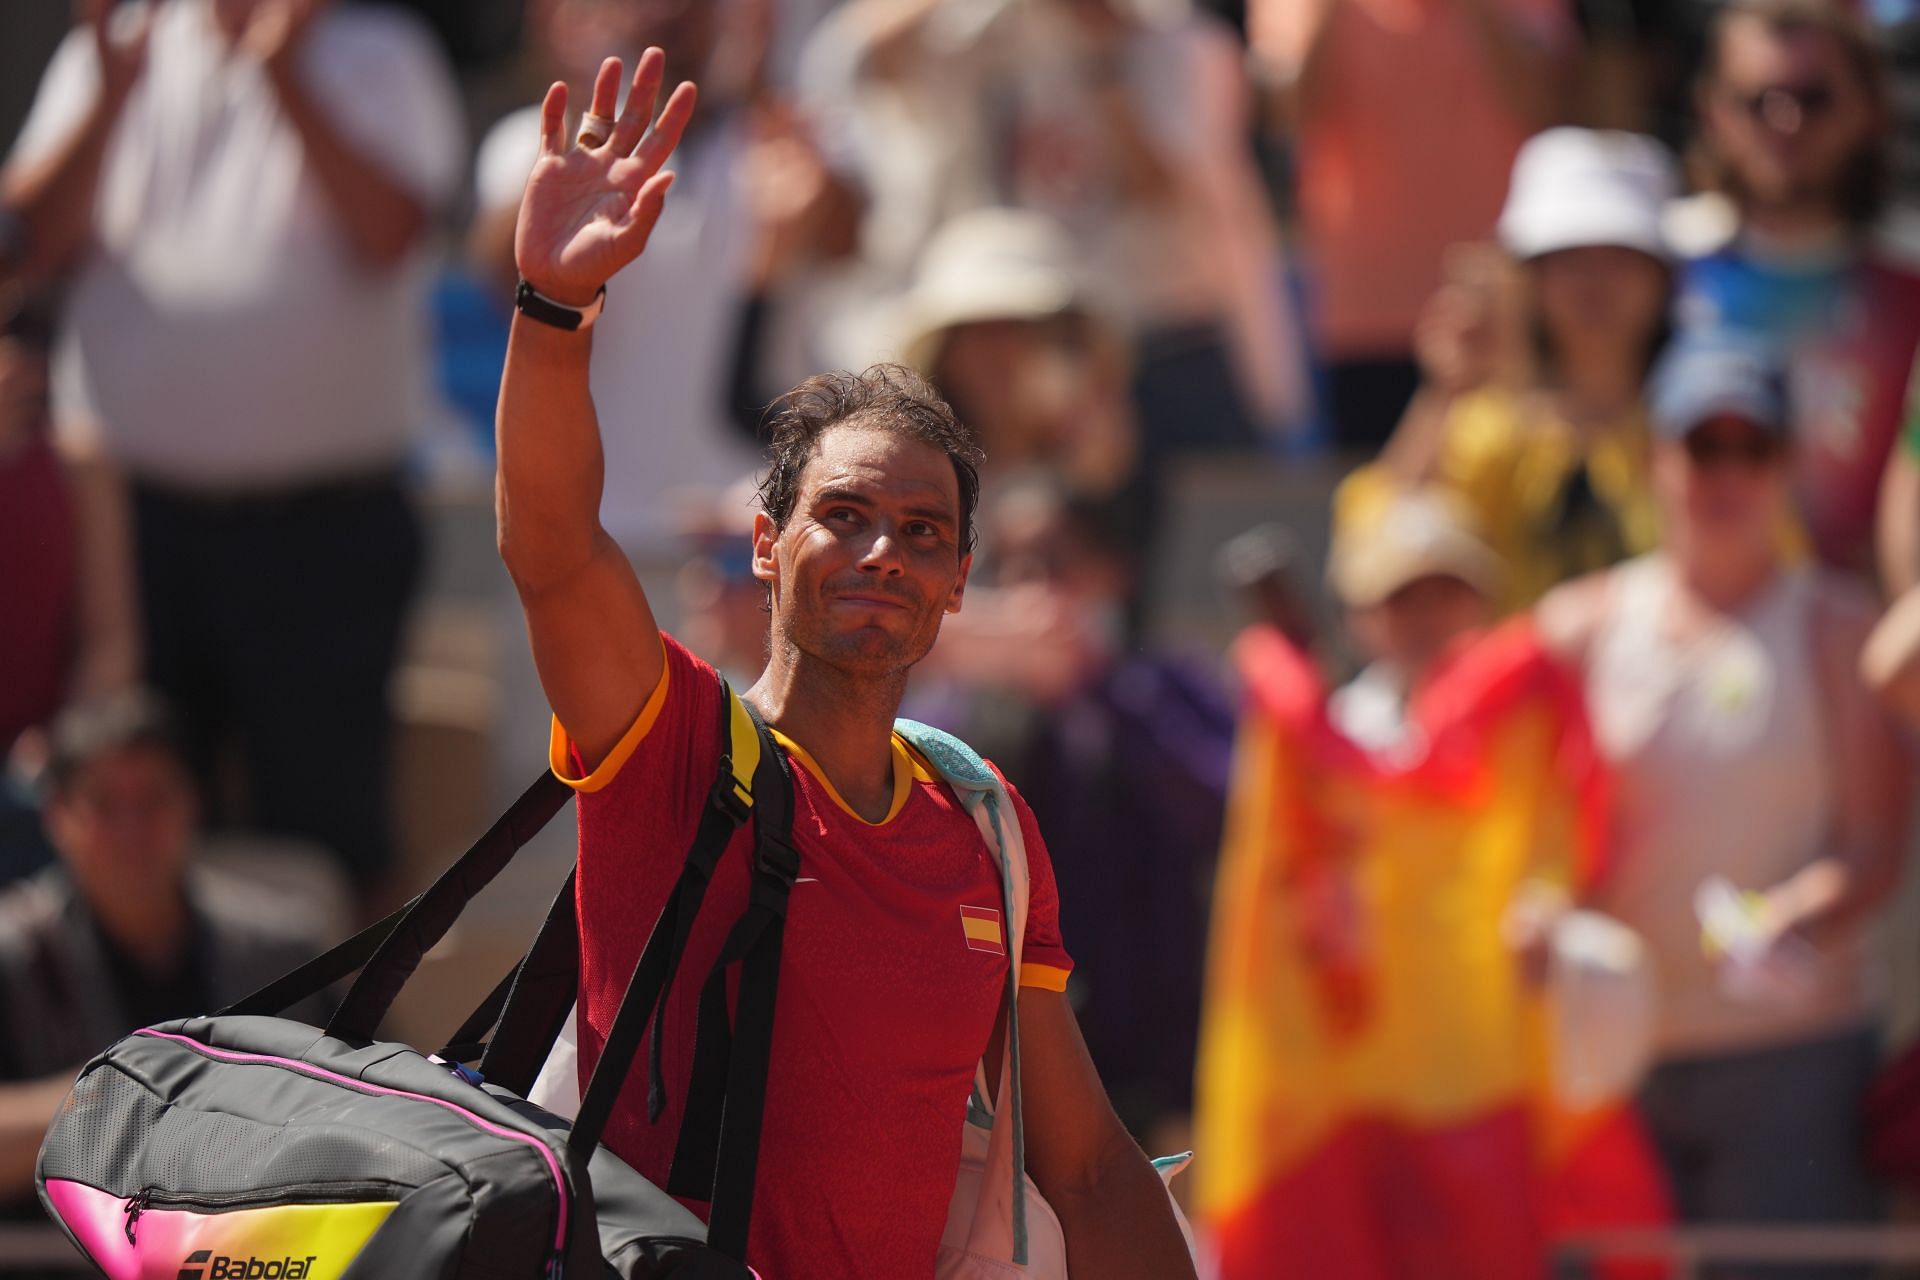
{"x":1890,"y":663}
{"x":1866,"y":846}
{"x":1241,"y":224}
{"x":587,"y":212}
{"x":1118,"y":1222}
{"x":1456,"y":340}
{"x":382,"y":219}
{"x":108,"y":656}
{"x":26,"y":1109}
{"x":1899,"y":531}
{"x":54,"y":195}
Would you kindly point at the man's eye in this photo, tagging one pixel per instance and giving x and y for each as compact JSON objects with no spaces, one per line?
{"x":921,"y":529}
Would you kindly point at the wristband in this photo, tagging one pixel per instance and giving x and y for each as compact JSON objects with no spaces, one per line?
{"x":535,"y":305}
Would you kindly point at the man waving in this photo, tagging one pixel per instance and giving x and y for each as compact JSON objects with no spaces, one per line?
{"x":895,"y":956}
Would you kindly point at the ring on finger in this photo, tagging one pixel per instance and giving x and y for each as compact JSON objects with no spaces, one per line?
{"x":594,"y":130}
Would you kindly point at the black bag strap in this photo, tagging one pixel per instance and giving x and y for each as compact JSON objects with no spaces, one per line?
{"x":531,"y":1004}
{"x":540,"y":988}
{"x":729,"y":803}
{"x":434,"y":912}
{"x":387,"y":951}
{"x":544,"y":988}
{"x":717,"y":1153}
{"x":469,"y":1042}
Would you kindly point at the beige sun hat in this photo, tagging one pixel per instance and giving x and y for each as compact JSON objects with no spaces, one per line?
{"x":1398,"y":538}
{"x":987,"y":264}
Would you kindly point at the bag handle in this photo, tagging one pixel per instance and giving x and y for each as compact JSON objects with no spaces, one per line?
{"x":394,"y":945}
{"x":433,"y":913}
{"x":539,"y":989}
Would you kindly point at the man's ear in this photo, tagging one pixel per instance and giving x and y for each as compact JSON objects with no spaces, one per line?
{"x":960,"y":584}
{"x":765,"y":534}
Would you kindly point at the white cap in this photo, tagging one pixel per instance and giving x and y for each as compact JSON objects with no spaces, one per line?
{"x":988,"y":264}
{"x":1578,"y":188}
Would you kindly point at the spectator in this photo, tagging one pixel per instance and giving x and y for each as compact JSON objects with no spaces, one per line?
{"x":124,"y":932}
{"x":239,"y":189}
{"x":663,"y":389}
{"x":68,"y":630}
{"x":1375,"y":1100}
{"x":998,"y":320}
{"x":1127,"y":124}
{"x":1415,"y":580}
{"x":70,"y":627}
{"x":1406,"y":118}
{"x":1551,"y":455}
{"x":1760,"y":807}
{"x":1794,"y":122}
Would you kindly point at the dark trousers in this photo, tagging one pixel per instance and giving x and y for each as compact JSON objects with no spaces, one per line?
{"x":273,"y":624}
{"x":1770,"y":1136}
{"x":1366,"y":398}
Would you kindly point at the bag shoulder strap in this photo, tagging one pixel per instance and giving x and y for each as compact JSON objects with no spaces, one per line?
{"x":730,"y":801}
{"x":985,"y":797}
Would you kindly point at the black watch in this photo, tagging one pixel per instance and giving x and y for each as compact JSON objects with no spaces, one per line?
{"x":529,"y":302}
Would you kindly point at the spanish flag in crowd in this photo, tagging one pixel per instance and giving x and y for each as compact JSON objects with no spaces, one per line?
{"x":1379,"y":1108}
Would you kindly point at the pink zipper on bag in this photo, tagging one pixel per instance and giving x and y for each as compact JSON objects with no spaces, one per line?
{"x":321,"y":1073}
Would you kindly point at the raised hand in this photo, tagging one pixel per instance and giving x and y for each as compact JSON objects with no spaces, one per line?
{"x":120,"y":45}
{"x":589,"y":207}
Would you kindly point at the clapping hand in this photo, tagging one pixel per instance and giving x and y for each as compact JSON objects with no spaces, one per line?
{"x":590,"y":204}
{"x":120,"y":46}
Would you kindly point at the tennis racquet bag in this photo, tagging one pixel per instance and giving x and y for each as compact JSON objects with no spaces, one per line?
{"x":247,"y":1146}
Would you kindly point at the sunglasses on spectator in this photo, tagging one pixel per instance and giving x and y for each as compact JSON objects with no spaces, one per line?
{"x":1749,"y":449}
{"x":1787,"y":106}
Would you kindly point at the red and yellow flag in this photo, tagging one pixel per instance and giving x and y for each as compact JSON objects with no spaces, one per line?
{"x":1373,"y":1097}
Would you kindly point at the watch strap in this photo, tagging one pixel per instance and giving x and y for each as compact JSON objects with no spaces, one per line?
{"x":530,"y":302}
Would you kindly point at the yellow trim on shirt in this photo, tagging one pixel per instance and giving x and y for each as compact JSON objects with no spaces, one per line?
{"x":1044,"y":977}
{"x":557,"y":741}
{"x":903,"y":775}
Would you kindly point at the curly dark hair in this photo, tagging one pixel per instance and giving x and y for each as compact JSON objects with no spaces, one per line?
{"x":890,"y":396}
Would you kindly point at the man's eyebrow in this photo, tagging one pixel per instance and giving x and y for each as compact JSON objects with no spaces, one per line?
{"x":917,"y":510}
{"x":944,"y":514}
{"x":842,"y":495}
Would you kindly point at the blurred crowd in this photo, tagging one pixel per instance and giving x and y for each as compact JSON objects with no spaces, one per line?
{"x":1529,"y":879}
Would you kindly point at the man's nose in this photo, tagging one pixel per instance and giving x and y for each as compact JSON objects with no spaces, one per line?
{"x":882,"y":553}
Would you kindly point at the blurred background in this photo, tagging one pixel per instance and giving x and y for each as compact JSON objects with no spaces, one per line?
{"x":1448,"y":565}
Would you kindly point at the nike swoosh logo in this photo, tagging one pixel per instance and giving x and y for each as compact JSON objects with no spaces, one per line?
{"x":806,"y":879}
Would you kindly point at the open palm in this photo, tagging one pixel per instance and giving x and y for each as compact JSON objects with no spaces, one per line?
{"x":588,"y":209}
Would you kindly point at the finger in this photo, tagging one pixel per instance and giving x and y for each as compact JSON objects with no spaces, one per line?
{"x":644,"y":213}
{"x":606,"y":89}
{"x":640,"y":99}
{"x":553,"y":119}
{"x":667,"y":129}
